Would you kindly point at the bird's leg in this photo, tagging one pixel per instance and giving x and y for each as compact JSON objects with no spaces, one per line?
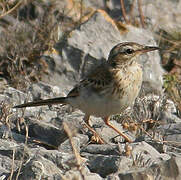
{"x":106,"y":120}
{"x":96,"y":136}
{"x":87,"y":120}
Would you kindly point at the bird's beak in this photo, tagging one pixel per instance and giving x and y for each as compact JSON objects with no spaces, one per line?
{"x":148,"y":49}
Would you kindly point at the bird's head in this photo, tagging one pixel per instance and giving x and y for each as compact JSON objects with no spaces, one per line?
{"x":125,"y":53}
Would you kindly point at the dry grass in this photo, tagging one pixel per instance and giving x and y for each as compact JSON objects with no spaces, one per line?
{"x":171,"y":60}
{"x":78,"y":158}
{"x":23,"y":156}
{"x":129,"y":18}
{"x":8,"y":7}
{"x":22,"y":46}
{"x":5,"y":119}
{"x":170,"y":42}
{"x":25,"y":40}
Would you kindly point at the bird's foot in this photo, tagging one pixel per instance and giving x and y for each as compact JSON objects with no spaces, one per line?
{"x":95,"y":138}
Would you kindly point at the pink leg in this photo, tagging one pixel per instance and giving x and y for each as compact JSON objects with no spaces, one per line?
{"x":96,"y":136}
{"x":106,"y":120}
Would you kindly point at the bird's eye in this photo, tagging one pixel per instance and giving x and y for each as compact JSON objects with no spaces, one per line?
{"x":129,"y":51}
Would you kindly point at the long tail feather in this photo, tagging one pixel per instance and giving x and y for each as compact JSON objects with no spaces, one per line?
{"x":59,"y":100}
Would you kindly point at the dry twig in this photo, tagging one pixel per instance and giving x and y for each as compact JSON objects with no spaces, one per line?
{"x":76,"y":153}
{"x":124,"y":11}
{"x":11,"y":10}
{"x":12,"y":167}
{"x":141,"y":14}
{"x":22,"y":159}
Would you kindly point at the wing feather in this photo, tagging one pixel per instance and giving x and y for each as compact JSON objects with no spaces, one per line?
{"x":98,"y":79}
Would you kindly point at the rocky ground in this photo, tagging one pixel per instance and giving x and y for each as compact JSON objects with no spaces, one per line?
{"x":52,"y":142}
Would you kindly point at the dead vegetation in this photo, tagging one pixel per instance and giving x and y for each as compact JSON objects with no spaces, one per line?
{"x":23,"y":43}
{"x":170,"y":42}
{"x":78,"y":159}
{"x":6,"y":119}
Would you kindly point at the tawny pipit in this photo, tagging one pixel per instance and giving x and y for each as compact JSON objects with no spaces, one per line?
{"x":108,"y":89}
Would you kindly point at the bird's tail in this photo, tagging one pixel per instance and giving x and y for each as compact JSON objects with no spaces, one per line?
{"x":59,"y":100}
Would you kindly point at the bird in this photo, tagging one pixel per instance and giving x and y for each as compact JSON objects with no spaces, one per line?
{"x":107,"y":89}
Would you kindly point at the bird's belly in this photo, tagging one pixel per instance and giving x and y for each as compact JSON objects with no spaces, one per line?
{"x":99,"y":106}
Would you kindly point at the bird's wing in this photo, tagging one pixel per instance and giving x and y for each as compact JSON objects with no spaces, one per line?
{"x":98,"y":79}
